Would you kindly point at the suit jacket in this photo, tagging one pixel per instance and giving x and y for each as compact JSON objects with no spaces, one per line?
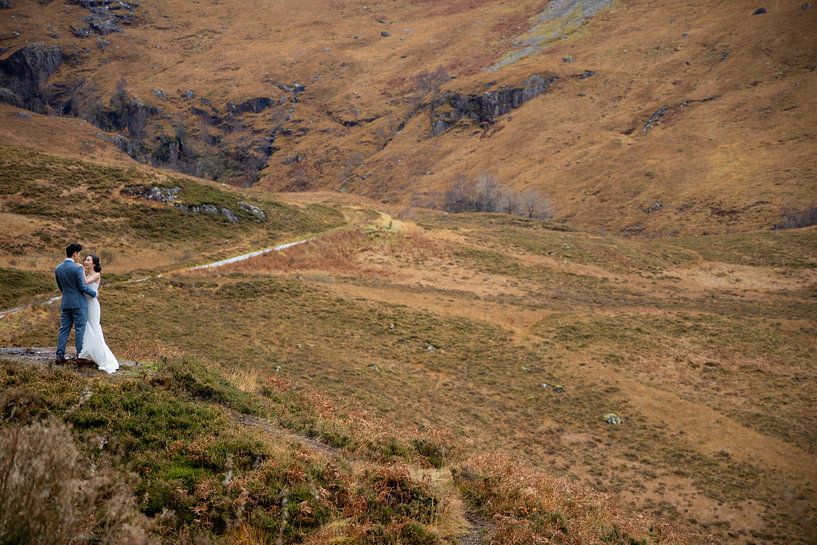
{"x":71,"y":281}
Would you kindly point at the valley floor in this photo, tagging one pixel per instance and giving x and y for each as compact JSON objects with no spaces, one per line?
{"x":518,"y":336}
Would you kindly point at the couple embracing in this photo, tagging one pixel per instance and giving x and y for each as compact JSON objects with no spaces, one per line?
{"x":80,"y":309}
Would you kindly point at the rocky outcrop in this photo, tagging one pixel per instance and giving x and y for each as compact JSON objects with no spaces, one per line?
{"x":208,"y":209}
{"x":485,"y":108}
{"x":252,"y":105}
{"x":106,"y":16}
{"x":666,"y":112}
{"x":153,"y":193}
{"x":253,"y":210}
{"x":124,"y":113}
{"x":23,"y":75}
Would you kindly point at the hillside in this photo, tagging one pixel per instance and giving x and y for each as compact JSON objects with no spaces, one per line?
{"x":637,"y":368}
{"x":668,"y":118}
{"x":512,"y":337}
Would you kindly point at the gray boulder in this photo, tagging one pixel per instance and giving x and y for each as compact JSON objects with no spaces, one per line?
{"x":259,"y":214}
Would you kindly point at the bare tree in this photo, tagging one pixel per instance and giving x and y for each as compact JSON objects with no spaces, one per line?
{"x":426,"y":83}
{"x":459,"y":197}
{"x":534,"y":205}
{"x":487,"y":192}
{"x":508,"y":202}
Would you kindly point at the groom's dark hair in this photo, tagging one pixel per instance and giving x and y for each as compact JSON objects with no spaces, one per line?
{"x":72,"y":249}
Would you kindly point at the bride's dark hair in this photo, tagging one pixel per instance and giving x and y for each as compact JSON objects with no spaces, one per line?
{"x":97,"y":263}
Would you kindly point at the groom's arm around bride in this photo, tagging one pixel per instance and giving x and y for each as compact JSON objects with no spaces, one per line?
{"x":71,"y":282}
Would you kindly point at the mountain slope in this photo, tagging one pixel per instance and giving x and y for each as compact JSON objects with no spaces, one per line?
{"x":307,"y":95}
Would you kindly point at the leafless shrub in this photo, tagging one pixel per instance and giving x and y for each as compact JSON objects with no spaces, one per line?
{"x":487,"y":190}
{"x":533,"y":205}
{"x":487,"y":194}
{"x":429,"y":82}
{"x":48,"y":496}
{"x":429,"y":199}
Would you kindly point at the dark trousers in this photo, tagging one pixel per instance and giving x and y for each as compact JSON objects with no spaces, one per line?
{"x":71,"y":317}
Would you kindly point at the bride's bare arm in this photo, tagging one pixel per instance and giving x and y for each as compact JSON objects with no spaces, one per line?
{"x":93,"y":277}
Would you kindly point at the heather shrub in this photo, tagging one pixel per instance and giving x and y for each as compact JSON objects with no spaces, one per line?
{"x":50,"y":496}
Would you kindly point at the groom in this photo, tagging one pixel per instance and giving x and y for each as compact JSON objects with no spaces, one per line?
{"x":71,"y":282}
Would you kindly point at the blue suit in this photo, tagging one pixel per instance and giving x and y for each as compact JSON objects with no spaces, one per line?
{"x":71,"y":282}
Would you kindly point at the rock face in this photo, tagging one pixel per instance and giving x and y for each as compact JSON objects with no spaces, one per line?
{"x":24,"y":73}
{"x":125,"y":113}
{"x":485,"y":108}
{"x":106,"y":16}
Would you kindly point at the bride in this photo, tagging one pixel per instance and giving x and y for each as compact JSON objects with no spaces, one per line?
{"x":93,"y":342}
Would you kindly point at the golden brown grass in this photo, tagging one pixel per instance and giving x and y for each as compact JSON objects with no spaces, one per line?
{"x":50,"y":495}
{"x":529,"y":506}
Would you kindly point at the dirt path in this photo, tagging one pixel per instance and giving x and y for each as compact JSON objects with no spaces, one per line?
{"x":208,"y":266}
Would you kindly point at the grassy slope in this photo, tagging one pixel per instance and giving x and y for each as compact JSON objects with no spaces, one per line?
{"x":709,"y":363}
{"x":47,"y":201}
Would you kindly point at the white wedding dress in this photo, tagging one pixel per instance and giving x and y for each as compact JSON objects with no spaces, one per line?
{"x":93,"y":342}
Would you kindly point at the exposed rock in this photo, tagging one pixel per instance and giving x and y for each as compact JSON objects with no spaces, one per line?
{"x":296,"y":88}
{"x":227,"y":213}
{"x":125,"y":112}
{"x":297,"y":158}
{"x":26,"y":71}
{"x":385,"y":33}
{"x":80,"y":32}
{"x":663,"y":111}
{"x":7,"y":96}
{"x":655,"y":207}
{"x":484,"y":108}
{"x":106,"y":16}
{"x":760,"y":11}
{"x":259,"y":214}
{"x":102,"y":43}
{"x":568,"y":59}
{"x":123,"y":144}
{"x":160,"y":94}
{"x":6,"y":4}
{"x":103,"y":24}
{"x":254,"y":105}
{"x":208,"y":209}
{"x":806,"y":5}
{"x":654,"y":119}
{"x":153,"y":193}
{"x":612,"y":418}
{"x":188,"y":94}
{"x":587,"y":74}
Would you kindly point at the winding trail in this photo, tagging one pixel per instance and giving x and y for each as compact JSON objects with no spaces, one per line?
{"x":212,"y":265}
